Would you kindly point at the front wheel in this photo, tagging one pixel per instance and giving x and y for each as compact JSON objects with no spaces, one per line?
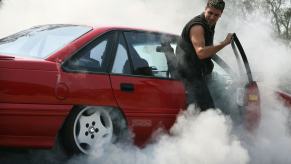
{"x":86,"y":127}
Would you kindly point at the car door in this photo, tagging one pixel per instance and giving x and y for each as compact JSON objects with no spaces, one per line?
{"x":84,"y":78}
{"x":233,"y":88}
{"x":252,"y":103}
{"x":142,"y":84}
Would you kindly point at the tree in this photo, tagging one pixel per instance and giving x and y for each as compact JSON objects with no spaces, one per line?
{"x":278,"y":10}
{"x":245,"y":7}
{"x":286,"y":23}
{"x":275,"y":7}
{"x":281,"y":17}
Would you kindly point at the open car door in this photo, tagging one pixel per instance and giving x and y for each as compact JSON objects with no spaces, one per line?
{"x":233,"y":89}
{"x":252,"y":108}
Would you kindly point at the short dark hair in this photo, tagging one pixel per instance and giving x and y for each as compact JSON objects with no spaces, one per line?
{"x":218,"y":4}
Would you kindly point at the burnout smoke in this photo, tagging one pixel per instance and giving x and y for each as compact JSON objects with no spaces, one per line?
{"x":208,"y":137}
{"x":160,"y":15}
{"x":188,"y":142}
{"x":272,"y":142}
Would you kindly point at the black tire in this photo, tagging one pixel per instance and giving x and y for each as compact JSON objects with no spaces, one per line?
{"x":86,"y":126}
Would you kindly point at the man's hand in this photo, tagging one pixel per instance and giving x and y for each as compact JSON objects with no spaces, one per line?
{"x":228,"y":39}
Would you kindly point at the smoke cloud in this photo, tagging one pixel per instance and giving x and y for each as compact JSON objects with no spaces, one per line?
{"x":208,"y":137}
{"x":160,"y":15}
{"x":189,"y":142}
{"x":266,"y":54}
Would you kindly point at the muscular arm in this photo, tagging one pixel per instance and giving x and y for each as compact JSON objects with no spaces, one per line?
{"x":198,"y":42}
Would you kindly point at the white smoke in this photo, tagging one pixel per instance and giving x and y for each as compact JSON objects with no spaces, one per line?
{"x":269,"y":57}
{"x":167,"y":16}
{"x":195,"y":138}
{"x":209,"y":137}
{"x":272,"y":142}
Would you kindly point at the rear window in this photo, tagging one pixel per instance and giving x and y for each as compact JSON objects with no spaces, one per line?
{"x":41,"y":41}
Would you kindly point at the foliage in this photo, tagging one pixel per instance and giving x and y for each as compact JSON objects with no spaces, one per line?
{"x":281,"y":17}
{"x":279,"y":12}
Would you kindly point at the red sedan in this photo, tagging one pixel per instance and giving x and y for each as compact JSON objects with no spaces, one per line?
{"x":87,"y":85}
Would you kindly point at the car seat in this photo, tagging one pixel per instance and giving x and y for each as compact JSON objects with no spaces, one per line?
{"x":140,"y":65}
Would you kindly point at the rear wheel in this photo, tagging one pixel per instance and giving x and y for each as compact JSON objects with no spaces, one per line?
{"x":88,"y":126}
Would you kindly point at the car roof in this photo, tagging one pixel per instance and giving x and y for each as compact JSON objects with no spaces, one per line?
{"x":97,"y":30}
{"x":102,"y":29}
{"x":124,"y":28}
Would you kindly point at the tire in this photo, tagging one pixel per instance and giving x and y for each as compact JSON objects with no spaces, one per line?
{"x":88,"y":126}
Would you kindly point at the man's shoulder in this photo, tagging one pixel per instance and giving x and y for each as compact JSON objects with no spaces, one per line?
{"x":199,"y":17}
{"x":197,"y":28}
{"x":196,"y":25}
{"x":194,"y":19}
{"x":197,"y":20}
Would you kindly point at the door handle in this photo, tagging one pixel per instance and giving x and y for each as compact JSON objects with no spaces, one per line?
{"x":127,"y":87}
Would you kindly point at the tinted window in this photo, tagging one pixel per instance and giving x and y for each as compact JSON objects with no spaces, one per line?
{"x":146,"y":58}
{"x":220,"y":74}
{"x":234,"y":62}
{"x":91,"y":58}
{"x":41,"y":41}
{"x":121,"y":63}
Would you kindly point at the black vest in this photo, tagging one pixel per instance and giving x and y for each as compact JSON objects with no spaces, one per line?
{"x":189,"y":65}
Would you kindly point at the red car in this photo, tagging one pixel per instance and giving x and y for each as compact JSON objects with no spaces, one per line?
{"x":88,"y":85}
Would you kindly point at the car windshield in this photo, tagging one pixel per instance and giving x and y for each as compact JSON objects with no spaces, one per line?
{"x":41,"y":41}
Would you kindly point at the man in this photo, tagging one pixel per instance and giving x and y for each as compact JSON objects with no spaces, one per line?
{"x":195,"y":50}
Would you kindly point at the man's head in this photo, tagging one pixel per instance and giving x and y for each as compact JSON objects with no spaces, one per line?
{"x":213,"y":11}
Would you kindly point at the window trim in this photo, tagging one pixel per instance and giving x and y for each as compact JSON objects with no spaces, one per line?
{"x":148,"y":77}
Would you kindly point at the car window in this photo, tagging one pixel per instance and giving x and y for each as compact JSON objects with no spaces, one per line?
{"x":41,"y":41}
{"x":91,"y":58}
{"x":219,"y":70}
{"x":220,"y":73}
{"x":144,"y":55}
{"x":97,"y":52}
{"x":121,"y":63}
{"x":235,"y":63}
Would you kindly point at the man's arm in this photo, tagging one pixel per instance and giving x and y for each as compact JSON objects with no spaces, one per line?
{"x":198,"y":42}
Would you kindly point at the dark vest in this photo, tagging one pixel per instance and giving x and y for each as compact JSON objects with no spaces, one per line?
{"x":189,"y":65}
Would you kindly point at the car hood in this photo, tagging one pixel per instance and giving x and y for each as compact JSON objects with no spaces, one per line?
{"x":18,"y":62}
